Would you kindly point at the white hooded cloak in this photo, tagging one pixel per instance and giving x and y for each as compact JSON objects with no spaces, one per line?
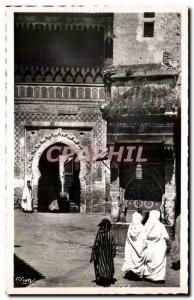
{"x":135,"y":246}
{"x":155,"y":263}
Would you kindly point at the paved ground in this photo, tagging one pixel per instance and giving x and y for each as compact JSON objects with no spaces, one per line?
{"x":54,"y":250}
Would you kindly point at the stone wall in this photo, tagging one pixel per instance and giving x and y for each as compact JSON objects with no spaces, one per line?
{"x":131,"y":47}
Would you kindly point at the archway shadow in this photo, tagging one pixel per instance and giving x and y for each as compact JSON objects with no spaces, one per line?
{"x":24,"y":274}
{"x":49,"y":185}
{"x":48,"y":188}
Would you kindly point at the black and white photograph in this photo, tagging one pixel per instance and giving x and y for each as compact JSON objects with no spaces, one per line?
{"x":97,"y":127}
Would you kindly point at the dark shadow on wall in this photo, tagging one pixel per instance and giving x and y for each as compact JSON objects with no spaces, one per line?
{"x":73,"y":48}
{"x":49,"y":183}
{"x":48,"y":188}
{"x":24,"y":274}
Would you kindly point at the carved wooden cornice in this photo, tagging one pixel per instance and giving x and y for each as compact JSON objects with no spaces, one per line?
{"x":64,"y":21}
{"x":56,"y":26}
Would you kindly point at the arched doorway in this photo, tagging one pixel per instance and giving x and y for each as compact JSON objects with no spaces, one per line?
{"x":49,"y":183}
{"x":32,"y":164}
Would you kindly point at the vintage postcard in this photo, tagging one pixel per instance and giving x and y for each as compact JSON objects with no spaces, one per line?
{"x":97,"y":131}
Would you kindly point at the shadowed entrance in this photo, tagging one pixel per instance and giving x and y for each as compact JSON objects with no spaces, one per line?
{"x":49,"y":185}
{"x":146,"y":195}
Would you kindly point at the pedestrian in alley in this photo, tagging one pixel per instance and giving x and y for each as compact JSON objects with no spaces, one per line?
{"x":135,"y":247}
{"x":155,"y":260}
{"x":175,"y":248}
{"x":103,"y":253}
{"x":26,"y":203}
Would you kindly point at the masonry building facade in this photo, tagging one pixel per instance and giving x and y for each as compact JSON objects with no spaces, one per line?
{"x":99,"y":80}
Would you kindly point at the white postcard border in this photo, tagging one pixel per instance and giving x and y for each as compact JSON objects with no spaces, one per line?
{"x":10,"y":152}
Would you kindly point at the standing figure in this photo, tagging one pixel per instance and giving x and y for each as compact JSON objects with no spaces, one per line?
{"x":135,"y":247}
{"x":103,"y":253}
{"x":162,"y":208}
{"x":155,"y":264}
{"x":175,"y":247}
{"x":26,"y":203}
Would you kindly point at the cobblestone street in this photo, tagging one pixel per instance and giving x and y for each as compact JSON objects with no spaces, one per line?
{"x":57,"y":247}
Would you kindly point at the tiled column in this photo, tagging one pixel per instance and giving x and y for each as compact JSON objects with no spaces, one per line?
{"x":35,"y":196}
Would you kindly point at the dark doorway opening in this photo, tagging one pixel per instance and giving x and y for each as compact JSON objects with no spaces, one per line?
{"x":147,"y":190}
{"x":49,"y":185}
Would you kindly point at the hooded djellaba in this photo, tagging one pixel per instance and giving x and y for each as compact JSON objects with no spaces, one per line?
{"x":135,"y":247}
{"x":103,"y":253}
{"x":157,"y":236}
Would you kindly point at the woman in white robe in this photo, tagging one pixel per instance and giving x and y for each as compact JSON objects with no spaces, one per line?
{"x":26,"y":203}
{"x":155,"y":263}
{"x":135,"y":246}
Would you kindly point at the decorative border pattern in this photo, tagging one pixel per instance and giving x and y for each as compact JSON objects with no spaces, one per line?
{"x":30,"y":92}
{"x":146,"y":205}
{"x":58,"y":74}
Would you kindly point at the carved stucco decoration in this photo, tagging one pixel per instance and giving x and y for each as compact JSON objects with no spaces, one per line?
{"x":61,"y":93}
{"x":169,"y":197}
{"x":23,"y":117}
{"x":54,"y":137}
{"x":59,"y":74}
{"x":169,"y":203}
